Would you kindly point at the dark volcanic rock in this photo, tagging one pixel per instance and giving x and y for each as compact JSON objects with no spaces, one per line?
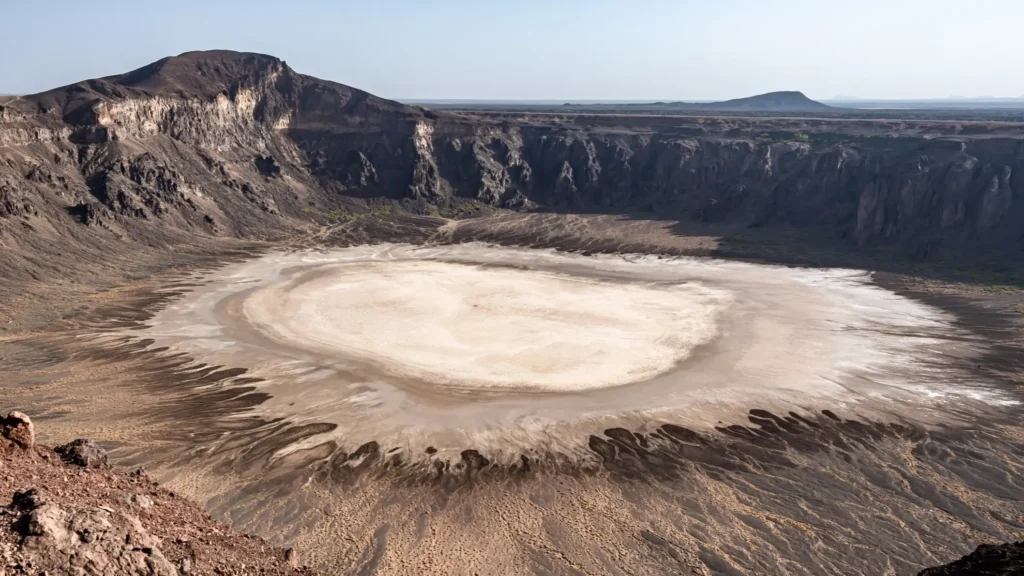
{"x":81,"y":452}
{"x":28,"y":499}
{"x":986,"y":560}
{"x":267,"y":166}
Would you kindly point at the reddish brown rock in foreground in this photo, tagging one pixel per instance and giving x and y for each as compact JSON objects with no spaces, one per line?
{"x":57,"y":517}
{"x":18,"y":428}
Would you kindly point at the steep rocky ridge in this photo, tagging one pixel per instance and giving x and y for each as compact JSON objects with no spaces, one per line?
{"x":226,"y":144}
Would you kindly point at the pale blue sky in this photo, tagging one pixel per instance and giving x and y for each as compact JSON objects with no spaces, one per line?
{"x":533,"y":49}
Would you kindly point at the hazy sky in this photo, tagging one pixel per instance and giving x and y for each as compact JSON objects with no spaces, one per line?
{"x":555,"y":49}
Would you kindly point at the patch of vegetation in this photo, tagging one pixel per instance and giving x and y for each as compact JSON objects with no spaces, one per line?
{"x":1001,"y":289}
{"x":461,"y":208}
{"x":768,"y":138}
{"x":343,"y":215}
{"x":1019,"y":308}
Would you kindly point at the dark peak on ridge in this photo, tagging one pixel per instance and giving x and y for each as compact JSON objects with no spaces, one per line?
{"x":200,"y":73}
{"x":190,"y":75}
{"x":204,"y":75}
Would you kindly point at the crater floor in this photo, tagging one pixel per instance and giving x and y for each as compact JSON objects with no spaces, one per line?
{"x":450,"y":347}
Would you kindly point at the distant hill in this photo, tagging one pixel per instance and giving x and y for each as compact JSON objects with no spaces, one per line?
{"x":786,"y":101}
{"x":770,"y":102}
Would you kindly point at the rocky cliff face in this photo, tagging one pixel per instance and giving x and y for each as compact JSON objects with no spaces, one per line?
{"x":918,"y":193}
{"x":230,"y":144}
{"x":199,"y":142}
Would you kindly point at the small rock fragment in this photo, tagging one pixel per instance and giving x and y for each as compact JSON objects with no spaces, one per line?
{"x":28,"y":499}
{"x":140,"y":501}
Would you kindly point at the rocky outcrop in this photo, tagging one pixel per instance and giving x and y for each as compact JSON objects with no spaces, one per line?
{"x":986,"y":560}
{"x":18,"y":428}
{"x":14,"y":202}
{"x":77,"y":516}
{"x":84,"y":540}
{"x":84,"y":453}
{"x":234,"y":144}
